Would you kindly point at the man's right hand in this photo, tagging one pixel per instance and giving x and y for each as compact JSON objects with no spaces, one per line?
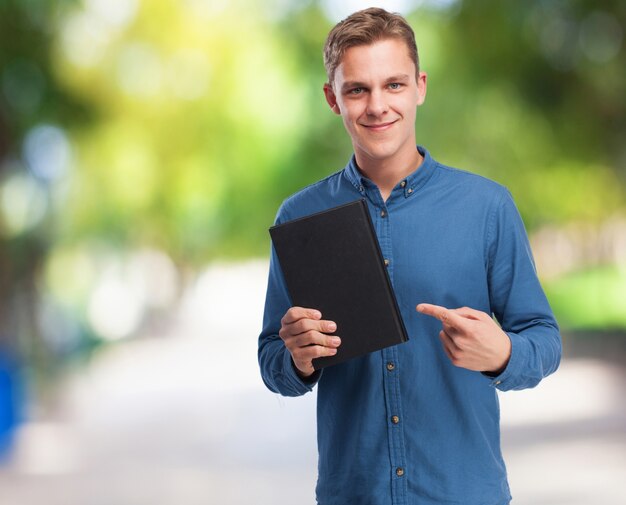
{"x":306,"y":336}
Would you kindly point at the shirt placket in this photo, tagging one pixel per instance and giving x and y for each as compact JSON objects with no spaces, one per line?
{"x":391,"y":375}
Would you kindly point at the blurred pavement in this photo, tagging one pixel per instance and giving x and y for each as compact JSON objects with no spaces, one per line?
{"x":182,"y":417}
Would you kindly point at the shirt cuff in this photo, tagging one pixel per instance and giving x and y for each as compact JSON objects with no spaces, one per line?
{"x":507,"y":379}
{"x":302,"y":385}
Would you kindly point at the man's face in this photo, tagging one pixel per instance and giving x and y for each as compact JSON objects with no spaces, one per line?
{"x":376,"y":91}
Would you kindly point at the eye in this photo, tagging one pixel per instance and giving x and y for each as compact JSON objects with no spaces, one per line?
{"x":395,"y":85}
{"x":355,"y":91}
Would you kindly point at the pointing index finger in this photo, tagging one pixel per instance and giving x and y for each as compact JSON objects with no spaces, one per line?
{"x":445,"y":315}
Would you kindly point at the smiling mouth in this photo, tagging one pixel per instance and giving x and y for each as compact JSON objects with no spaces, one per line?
{"x":379,"y":127}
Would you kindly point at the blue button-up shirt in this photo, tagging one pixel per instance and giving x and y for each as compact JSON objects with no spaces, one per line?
{"x":404,"y":425}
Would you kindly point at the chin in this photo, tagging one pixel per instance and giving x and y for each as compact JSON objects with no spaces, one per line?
{"x":380,"y":152}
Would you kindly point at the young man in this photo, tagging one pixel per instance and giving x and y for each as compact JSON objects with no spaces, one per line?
{"x":416,"y":423}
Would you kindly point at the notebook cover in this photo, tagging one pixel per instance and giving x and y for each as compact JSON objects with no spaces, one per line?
{"x":331,"y":261}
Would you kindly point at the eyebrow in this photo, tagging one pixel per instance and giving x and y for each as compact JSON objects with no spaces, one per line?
{"x":357,"y":84}
{"x":396,"y":78}
{"x":352,"y":84}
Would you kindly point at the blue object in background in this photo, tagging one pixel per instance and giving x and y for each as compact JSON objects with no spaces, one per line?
{"x":9,"y":401}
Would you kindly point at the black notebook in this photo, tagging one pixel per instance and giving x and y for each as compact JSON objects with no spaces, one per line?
{"x":332,"y":262}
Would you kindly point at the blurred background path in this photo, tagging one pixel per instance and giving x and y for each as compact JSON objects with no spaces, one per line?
{"x":182,"y":417}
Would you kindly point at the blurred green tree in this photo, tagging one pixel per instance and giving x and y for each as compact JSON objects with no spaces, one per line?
{"x":30,"y":96}
{"x":533,"y":95}
{"x":203,"y":127}
{"x":181,"y":125}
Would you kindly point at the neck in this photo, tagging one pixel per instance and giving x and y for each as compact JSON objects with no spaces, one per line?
{"x":387,"y":173}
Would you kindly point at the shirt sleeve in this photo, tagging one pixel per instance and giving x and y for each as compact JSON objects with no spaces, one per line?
{"x":277,"y":368}
{"x":519,"y":303}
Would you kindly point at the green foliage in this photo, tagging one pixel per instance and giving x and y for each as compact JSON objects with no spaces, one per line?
{"x":590,"y":299}
{"x":204,"y":117}
{"x":519,"y":94}
{"x":189,"y":121}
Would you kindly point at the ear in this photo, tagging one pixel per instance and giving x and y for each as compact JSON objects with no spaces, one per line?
{"x":421,"y":87}
{"x":331,"y":99}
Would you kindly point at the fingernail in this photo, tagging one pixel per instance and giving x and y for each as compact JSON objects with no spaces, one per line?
{"x":331,"y":326}
{"x":419,"y":308}
{"x":336,"y":340}
{"x":316,"y":314}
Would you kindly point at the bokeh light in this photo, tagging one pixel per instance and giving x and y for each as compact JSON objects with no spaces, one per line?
{"x":23,"y":202}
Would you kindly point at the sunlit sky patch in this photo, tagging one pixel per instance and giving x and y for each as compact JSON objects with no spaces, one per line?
{"x":337,"y":11}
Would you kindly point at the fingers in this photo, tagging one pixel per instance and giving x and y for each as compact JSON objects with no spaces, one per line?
{"x":310,"y":338}
{"x":455,"y":318}
{"x":436,"y":311}
{"x":470,"y":338}
{"x":298,"y":321}
{"x":305,"y":347}
{"x":449,"y":346}
{"x":446,"y":316}
{"x":307,"y":336}
{"x":296,"y":313}
{"x":307,"y":353}
{"x":469,"y":313}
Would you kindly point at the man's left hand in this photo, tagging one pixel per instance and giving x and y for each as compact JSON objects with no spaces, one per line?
{"x":471,"y":338}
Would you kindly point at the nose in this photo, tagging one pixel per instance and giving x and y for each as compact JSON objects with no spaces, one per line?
{"x":377,"y":104}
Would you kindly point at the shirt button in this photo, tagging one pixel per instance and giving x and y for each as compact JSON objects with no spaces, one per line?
{"x":498,"y":383}
{"x":395,"y":419}
{"x":386,"y":262}
{"x":403,"y":183}
{"x":383,"y":213}
{"x":399,"y":471}
{"x":361,"y":189}
{"x":409,"y":191}
{"x":390,"y":366}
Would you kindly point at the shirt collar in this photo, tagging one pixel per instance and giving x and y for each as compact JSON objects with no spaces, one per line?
{"x":411,"y":183}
